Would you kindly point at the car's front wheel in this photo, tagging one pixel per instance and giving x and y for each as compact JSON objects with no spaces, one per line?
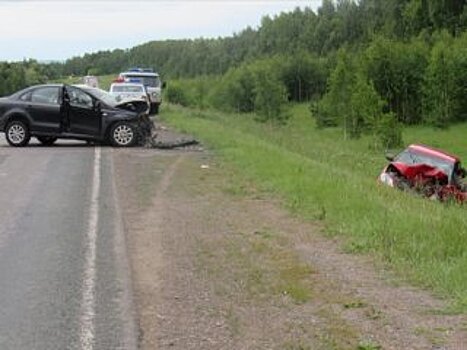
{"x":123,"y":134}
{"x":47,"y":140}
{"x":17,"y":133}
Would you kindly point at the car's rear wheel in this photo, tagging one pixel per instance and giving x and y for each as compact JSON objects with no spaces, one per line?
{"x":17,"y":133}
{"x":47,"y":140}
{"x":123,"y":134}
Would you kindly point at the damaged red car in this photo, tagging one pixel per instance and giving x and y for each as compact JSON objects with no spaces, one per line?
{"x":428,"y":171}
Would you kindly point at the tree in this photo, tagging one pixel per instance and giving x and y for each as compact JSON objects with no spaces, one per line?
{"x":446,"y":81}
{"x":366,"y":107}
{"x":270,"y":95}
{"x":367,"y":116}
{"x":304,"y":76}
{"x":397,"y":70}
{"x":334,"y":107}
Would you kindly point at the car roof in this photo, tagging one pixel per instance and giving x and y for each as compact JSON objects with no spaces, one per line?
{"x":434,"y":152}
{"x":127,"y":84}
{"x":33,"y":87}
{"x":140,"y":74}
{"x":44,"y":85}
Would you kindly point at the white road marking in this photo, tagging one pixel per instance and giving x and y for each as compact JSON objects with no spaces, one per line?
{"x":87,"y":333}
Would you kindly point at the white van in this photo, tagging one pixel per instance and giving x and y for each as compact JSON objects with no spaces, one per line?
{"x":150,"y":80}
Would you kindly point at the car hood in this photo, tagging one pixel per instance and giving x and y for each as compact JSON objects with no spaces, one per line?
{"x":126,"y":101}
{"x":138,"y":106}
{"x":414,"y":171}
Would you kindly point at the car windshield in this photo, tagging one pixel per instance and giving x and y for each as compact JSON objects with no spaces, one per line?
{"x":413,"y":157}
{"x":102,"y":95}
{"x":153,"y":81}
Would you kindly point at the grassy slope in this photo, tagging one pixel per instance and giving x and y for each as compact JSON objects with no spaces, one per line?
{"x":320,"y":176}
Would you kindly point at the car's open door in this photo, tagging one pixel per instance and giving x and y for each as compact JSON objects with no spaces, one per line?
{"x":83,"y":116}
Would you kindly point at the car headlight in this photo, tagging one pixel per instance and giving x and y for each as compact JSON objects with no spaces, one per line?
{"x":387,"y":179}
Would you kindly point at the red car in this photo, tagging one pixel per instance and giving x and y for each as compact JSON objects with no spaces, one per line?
{"x":431,"y":172}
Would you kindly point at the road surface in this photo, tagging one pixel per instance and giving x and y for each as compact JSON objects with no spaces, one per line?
{"x":63,"y":266}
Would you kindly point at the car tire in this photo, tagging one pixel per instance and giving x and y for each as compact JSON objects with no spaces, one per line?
{"x":47,"y":140}
{"x":123,"y":134}
{"x":17,"y":133}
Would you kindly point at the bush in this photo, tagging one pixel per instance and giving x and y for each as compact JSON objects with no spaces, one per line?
{"x":389,"y":132}
{"x":176,"y":94}
{"x":236,"y":91}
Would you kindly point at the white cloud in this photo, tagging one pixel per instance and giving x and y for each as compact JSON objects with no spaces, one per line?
{"x":59,"y":29}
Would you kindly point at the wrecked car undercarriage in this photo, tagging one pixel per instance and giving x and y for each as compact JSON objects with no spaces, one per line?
{"x":426,"y":171}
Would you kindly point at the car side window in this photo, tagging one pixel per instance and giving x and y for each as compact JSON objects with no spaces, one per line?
{"x":79,"y":98}
{"x":26,"y":97}
{"x":46,"y":95}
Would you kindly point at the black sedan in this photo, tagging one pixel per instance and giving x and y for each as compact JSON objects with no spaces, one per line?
{"x":53,"y":111}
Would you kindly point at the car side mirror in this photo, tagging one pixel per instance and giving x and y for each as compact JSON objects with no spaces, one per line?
{"x":390,"y":157}
{"x":164,"y":85}
{"x":98,"y":106}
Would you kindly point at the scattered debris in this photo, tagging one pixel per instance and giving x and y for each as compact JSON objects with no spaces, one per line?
{"x":180,"y":143}
{"x":161,"y":137}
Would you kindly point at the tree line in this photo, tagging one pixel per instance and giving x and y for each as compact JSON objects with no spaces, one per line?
{"x":18,"y":75}
{"x":367,"y":67}
{"x":335,"y":24}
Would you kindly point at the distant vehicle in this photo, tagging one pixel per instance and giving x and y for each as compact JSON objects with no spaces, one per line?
{"x":91,"y":81}
{"x":150,"y":80}
{"x":428,"y":171}
{"x":56,"y":111}
{"x":129,"y":91}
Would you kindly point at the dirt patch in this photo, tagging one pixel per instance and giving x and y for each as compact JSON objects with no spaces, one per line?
{"x":216,"y":266}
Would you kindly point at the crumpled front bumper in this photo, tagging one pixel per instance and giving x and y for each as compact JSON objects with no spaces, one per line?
{"x":145,"y":128}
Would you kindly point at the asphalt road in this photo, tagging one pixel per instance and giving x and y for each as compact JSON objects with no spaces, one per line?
{"x":64,"y":276}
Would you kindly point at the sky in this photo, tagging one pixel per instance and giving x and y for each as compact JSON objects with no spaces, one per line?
{"x":57,"y":30}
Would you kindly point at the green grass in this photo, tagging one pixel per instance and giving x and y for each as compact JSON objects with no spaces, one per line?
{"x":261,"y":268}
{"x":319,"y":176}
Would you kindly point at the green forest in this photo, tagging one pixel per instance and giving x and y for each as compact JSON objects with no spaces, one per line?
{"x":368,"y":66}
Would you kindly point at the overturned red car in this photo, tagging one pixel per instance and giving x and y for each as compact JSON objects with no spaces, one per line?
{"x":428,"y":171}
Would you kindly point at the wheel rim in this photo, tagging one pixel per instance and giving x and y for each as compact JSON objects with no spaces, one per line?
{"x":16,"y":133}
{"x":123,"y":135}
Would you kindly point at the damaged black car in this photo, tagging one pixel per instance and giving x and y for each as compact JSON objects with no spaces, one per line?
{"x":56,"y":111}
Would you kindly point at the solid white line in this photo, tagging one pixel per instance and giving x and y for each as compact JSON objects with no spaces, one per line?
{"x":87,"y":334}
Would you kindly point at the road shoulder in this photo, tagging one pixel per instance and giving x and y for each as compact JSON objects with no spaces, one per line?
{"x":217,"y":265}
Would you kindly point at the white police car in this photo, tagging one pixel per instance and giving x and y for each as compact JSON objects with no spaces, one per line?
{"x":150,"y":80}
